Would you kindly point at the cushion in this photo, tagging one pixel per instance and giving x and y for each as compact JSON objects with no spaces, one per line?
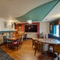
{"x":6,"y":40}
{"x":15,"y":43}
{"x":9,"y":41}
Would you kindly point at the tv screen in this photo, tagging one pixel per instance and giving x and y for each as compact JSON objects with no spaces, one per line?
{"x":30,"y":28}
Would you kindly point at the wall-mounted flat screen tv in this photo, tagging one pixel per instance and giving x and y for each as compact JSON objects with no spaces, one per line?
{"x":31,"y":28}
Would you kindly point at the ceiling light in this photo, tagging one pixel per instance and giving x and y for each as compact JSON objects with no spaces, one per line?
{"x":29,"y":21}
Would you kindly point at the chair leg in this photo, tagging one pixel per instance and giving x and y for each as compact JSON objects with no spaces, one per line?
{"x":35,"y":52}
{"x":5,"y":44}
{"x":17,"y":47}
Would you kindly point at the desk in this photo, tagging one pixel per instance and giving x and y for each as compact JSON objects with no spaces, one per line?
{"x":54,"y":42}
{"x":47,"y":41}
{"x":13,"y":39}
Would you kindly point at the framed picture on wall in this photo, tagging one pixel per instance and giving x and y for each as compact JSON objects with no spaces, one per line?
{"x":5,"y":24}
{"x":12,"y":25}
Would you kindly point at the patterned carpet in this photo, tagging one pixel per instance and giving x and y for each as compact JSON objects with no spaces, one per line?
{"x":4,"y":55}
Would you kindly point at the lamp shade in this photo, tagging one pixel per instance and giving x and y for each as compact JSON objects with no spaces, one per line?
{"x":29,"y":21}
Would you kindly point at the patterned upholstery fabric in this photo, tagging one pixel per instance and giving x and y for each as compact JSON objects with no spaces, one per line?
{"x":15,"y":43}
{"x":6,"y":39}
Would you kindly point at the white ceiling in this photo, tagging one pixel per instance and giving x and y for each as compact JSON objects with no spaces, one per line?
{"x":54,"y":14}
{"x":16,"y":8}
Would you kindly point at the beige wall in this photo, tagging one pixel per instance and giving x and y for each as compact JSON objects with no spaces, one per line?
{"x":9,"y":24}
{"x":44,"y":27}
{"x":8,"y":28}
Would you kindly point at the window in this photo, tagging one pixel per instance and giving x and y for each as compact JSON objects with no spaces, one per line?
{"x":56,"y":30}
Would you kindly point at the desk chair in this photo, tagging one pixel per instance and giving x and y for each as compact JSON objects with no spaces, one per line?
{"x":38,"y":47}
{"x":57,"y":49}
{"x":25,"y":36}
{"x":8,"y":42}
{"x":33,"y":43}
{"x":17,"y":43}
